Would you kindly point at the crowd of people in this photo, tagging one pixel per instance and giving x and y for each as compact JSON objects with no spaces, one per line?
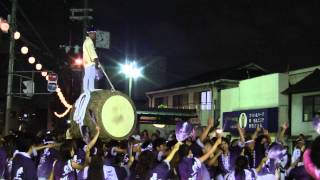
{"x":186,"y":153}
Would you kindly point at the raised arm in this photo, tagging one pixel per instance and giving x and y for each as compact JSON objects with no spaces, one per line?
{"x":255,"y":134}
{"x":260,"y":166}
{"x":241,"y":133}
{"x":213,"y":161}
{"x":78,"y":166}
{"x":284,"y":128}
{"x":207,"y":129}
{"x":94,"y":139}
{"x":213,"y":149}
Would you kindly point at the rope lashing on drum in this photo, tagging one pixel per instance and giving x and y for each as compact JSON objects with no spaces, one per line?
{"x":81,"y":107}
{"x":108,"y":79}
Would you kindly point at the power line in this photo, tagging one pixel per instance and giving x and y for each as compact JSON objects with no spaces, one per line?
{"x":36,"y":32}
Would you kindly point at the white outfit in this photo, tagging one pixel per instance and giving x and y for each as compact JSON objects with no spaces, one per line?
{"x":89,"y":56}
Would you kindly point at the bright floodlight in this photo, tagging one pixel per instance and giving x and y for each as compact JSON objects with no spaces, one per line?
{"x":24,"y":50}
{"x":131,"y":70}
{"x":32,"y":60}
{"x":38,"y":66}
{"x":44,"y":73}
{"x":16,"y":35}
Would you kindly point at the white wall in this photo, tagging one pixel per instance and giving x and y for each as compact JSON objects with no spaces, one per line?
{"x":297,"y":125}
{"x":263,"y":92}
{"x":256,"y":93}
{"x":229,"y":100}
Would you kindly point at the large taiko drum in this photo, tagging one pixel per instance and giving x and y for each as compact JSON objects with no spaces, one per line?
{"x":114,"y":112}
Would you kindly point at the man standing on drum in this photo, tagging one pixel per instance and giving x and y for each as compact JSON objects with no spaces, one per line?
{"x":90,"y":60}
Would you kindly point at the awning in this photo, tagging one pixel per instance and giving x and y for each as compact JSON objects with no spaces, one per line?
{"x":165,"y":115}
{"x":309,"y":84}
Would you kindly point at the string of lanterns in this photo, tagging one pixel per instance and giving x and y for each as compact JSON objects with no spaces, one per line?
{"x":4,"y":26}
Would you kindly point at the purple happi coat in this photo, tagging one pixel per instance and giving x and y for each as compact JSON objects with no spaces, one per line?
{"x":269,"y":167}
{"x":4,"y":172}
{"x":192,"y":168}
{"x":64,"y":170}
{"x":80,"y":158}
{"x":161,"y":171}
{"x":299,"y":172}
{"x":233,"y":154}
{"x":113,"y":172}
{"x":23,"y":167}
{"x":47,"y":158}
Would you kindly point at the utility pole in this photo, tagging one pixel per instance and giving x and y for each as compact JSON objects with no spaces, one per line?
{"x":12,"y":22}
{"x":85,"y":20}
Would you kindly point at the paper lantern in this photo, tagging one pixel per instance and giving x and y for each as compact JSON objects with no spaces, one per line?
{"x":32,"y":60}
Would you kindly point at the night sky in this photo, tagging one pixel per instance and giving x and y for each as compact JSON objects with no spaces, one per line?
{"x":194,"y":36}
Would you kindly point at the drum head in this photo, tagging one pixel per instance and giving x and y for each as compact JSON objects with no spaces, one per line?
{"x":118,"y":117}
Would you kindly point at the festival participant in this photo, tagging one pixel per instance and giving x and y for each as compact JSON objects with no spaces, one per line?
{"x":90,"y":60}
{"x":297,"y":170}
{"x":159,"y":148}
{"x":145,"y":135}
{"x":65,"y":167}
{"x":276,"y":153}
{"x":229,"y":154}
{"x":212,"y":162}
{"x":311,"y":159}
{"x":197,"y":146}
{"x":23,"y":166}
{"x":242,"y":170}
{"x":47,"y":158}
{"x":162,"y":170}
{"x":298,"y":149}
{"x":103,"y":169}
{"x":192,"y":167}
{"x":256,"y":147}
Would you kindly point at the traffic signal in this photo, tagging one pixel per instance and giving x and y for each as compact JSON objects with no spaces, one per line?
{"x":52,"y":82}
{"x":29,"y":90}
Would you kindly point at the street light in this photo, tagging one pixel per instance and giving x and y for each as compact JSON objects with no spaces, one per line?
{"x":132,"y":71}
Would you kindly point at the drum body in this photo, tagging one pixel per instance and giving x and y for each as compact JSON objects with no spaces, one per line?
{"x":114,"y":112}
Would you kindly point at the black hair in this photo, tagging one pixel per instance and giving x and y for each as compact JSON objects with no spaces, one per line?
{"x":9,"y":144}
{"x":156,"y":143}
{"x":145,"y":163}
{"x":123,"y":144}
{"x":25,"y":141}
{"x":241,"y":165}
{"x":227,"y":140}
{"x":95,"y":170}
{"x":171,"y":143}
{"x":315,"y":153}
{"x":146,"y":144}
{"x":65,"y":149}
{"x":183,"y":151}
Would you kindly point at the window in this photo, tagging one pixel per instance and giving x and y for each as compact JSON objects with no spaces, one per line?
{"x":311,"y":104}
{"x":179,"y":101}
{"x":206,"y":100}
{"x":160,"y":101}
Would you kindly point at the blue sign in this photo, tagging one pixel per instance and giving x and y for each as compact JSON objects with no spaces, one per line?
{"x":51,"y":87}
{"x":251,"y":119}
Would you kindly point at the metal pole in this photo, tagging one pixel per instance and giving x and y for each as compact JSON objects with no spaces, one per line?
{"x":85,"y":20}
{"x":130,"y":86}
{"x":10,"y":66}
{"x":84,"y":34}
